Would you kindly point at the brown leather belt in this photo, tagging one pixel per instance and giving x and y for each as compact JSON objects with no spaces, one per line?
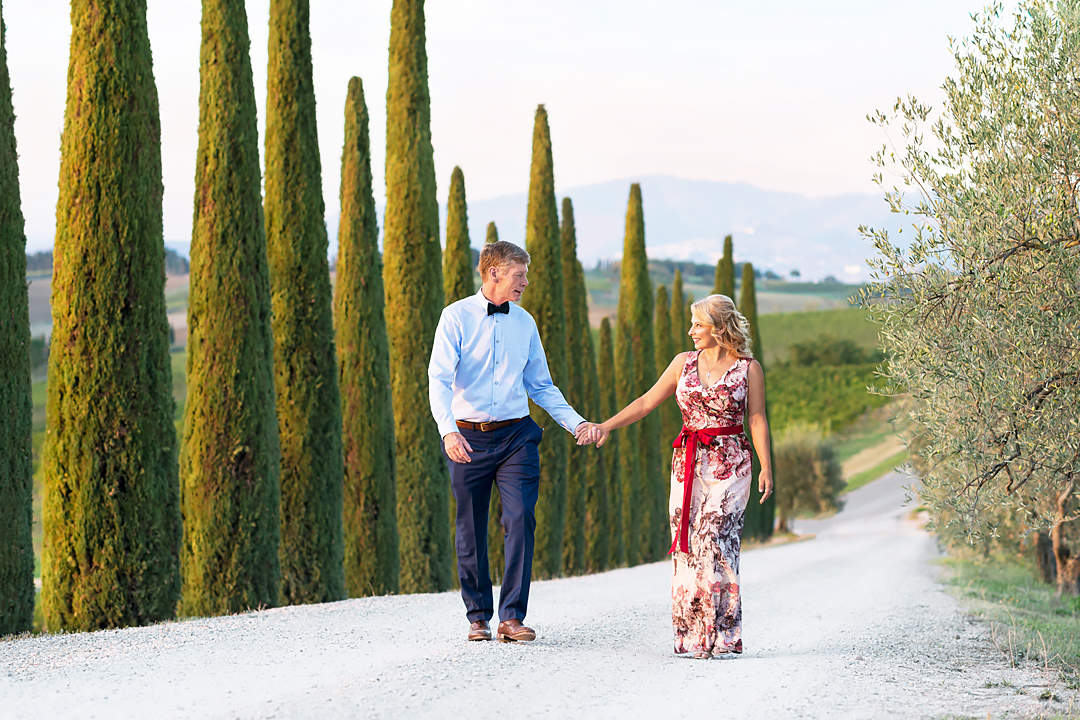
{"x":487,"y":426}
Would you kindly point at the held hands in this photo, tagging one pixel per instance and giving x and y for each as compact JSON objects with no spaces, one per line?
{"x":588,"y":433}
{"x":765,"y":485}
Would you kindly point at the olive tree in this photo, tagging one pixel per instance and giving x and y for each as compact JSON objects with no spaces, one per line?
{"x":980,"y":311}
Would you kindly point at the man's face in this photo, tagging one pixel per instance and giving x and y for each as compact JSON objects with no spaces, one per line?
{"x":511,"y":280}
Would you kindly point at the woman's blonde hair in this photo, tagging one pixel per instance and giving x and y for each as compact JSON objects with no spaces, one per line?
{"x":729,"y":326}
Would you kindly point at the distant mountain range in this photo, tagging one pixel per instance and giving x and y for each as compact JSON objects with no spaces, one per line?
{"x":688,"y":219}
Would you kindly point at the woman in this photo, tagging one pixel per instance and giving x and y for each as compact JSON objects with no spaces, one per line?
{"x":715,"y":385}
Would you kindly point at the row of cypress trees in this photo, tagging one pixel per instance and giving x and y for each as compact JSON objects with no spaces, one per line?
{"x":291,"y":486}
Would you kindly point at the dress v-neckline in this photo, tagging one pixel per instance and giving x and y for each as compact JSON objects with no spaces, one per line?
{"x":697,"y":371}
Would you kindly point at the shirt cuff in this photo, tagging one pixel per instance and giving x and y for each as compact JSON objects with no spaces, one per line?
{"x":446,"y":427}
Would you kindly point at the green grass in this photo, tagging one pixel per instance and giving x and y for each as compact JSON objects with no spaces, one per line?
{"x":857,"y":480}
{"x":831,"y":397}
{"x":779,"y":331}
{"x":1028,"y":621}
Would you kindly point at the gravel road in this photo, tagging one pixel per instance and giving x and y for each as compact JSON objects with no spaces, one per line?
{"x":849,"y":624}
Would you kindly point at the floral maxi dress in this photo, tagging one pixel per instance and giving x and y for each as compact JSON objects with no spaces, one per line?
{"x":706,"y":610}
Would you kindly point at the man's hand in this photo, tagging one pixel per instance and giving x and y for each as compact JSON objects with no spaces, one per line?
{"x":457,"y":447}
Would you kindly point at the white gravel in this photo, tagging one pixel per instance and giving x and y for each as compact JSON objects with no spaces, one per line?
{"x":850,"y":624}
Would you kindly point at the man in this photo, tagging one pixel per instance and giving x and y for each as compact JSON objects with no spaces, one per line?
{"x":486,"y":362}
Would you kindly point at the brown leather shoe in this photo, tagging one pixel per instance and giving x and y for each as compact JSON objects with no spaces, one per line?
{"x":514,"y":631}
{"x":479,"y":630}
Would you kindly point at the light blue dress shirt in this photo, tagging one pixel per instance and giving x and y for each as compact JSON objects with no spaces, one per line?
{"x":486,"y":367}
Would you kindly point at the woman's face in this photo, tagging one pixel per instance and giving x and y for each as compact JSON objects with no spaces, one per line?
{"x":701,"y":333}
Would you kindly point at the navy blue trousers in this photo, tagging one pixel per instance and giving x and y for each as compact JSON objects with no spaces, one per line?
{"x":509,"y":457}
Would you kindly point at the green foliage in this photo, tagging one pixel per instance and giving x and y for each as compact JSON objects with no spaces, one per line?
{"x":363,"y":360}
{"x":492,"y":233}
{"x":305,"y":370}
{"x":16,"y":494}
{"x":644,"y":487}
{"x":680,"y":317}
{"x":412,"y":282}
{"x":980,"y":319}
{"x":759,"y":516}
{"x":724,"y":283}
{"x":811,"y":328}
{"x":831,"y":396}
{"x":670,"y":416}
{"x":544,"y":300}
{"x":578,"y":356}
{"x":812,"y":478}
{"x":111,"y":514}
{"x":230,"y":457}
{"x":459,"y":271}
{"x":597,"y":522}
{"x":615,"y":464}
{"x":831,"y":351}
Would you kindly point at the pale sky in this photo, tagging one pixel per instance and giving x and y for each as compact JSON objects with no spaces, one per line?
{"x":773,"y":93}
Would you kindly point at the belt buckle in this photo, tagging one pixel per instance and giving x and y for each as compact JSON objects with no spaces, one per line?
{"x":483,"y":425}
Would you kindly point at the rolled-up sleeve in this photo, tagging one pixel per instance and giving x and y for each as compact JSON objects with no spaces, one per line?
{"x":539,"y":386}
{"x":445,"y":355}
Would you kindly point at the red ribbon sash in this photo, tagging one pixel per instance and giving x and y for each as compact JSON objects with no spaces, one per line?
{"x":689,"y":439}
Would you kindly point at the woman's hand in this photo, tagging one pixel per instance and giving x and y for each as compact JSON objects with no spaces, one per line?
{"x":602,"y":433}
{"x":764,"y":484}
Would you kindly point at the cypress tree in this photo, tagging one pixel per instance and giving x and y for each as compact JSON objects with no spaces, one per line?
{"x":759,"y":517}
{"x":370,"y":507}
{"x":670,"y":417}
{"x":724,"y":283}
{"x":680,"y":320}
{"x":230,"y":458}
{"x":492,"y":233}
{"x":577,"y":333}
{"x":16,"y":481}
{"x":111,"y":508}
{"x":616,"y":465}
{"x":545,"y":300}
{"x":598,"y":496}
{"x":458,"y":270}
{"x":305,"y":370}
{"x":635,"y":365}
{"x":457,"y":278}
{"x":412,"y":282}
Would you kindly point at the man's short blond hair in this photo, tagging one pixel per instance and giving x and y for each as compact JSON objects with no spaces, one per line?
{"x":500,"y":254}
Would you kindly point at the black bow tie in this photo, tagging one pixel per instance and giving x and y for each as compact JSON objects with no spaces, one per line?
{"x":504,"y":308}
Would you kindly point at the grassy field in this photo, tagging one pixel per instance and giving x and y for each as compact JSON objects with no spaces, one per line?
{"x":1027,"y":620}
{"x":779,"y":331}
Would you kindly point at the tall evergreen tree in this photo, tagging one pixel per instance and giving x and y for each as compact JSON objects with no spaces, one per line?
{"x":492,"y":233}
{"x":759,"y":517}
{"x":544,"y":300}
{"x":680,"y":320}
{"x":305,"y":370}
{"x":616,"y":464}
{"x":634,"y":374}
{"x":724,"y":283}
{"x":370,"y":507}
{"x":16,"y":482}
{"x":230,"y":457}
{"x":577,"y":345}
{"x":459,"y":273}
{"x":111,"y":507}
{"x":412,"y":281}
{"x":670,"y":417}
{"x":597,"y":521}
